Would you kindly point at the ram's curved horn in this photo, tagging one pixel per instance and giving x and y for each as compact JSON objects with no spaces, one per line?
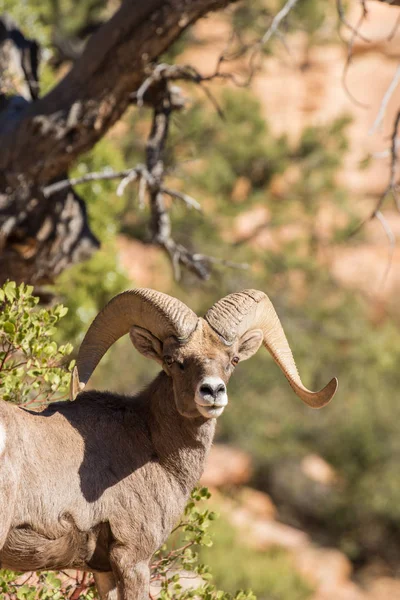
{"x":235,"y":314}
{"x":163,"y":315}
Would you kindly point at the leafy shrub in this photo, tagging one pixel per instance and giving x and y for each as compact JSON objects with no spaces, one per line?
{"x":30,"y":359}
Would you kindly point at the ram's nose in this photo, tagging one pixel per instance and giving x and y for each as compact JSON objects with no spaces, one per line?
{"x":212,"y":392}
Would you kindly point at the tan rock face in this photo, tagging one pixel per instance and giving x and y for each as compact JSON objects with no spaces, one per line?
{"x":264,"y":535}
{"x":326,"y":568}
{"x":317,"y":469}
{"x":258,"y":503}
{"x":226,"y":466}
{"x":241,"y":190}
{"x":384,"y":588}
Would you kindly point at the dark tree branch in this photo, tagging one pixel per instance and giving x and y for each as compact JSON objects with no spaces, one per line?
{"x":165,"y":98}
{"x":41,"y":138}
{"x":165,"y":101}
{"x":160,"y":226}
{"x":390,"y":190}
{"x":82,"y":107}
{"x":44,"y":242}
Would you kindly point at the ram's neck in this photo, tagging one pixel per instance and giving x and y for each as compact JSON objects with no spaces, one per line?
{"x":181,"y":444}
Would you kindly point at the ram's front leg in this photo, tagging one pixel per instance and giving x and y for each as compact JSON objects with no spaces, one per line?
{"x":133,"y":579}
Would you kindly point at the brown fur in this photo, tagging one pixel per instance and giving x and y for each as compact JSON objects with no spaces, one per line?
{"x":98,"y":484}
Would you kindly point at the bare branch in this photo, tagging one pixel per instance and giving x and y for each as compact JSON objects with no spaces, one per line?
{"x":51,"y":189}
{"x":271,"y":31}
{"x":350,"y":45}
{"x":392,"y":187}
{"x":132,"y":176}
{"x":385,"y":101}
{"x":345,"y":22}
{"x":95,"y":91}
{"x":277,"y":20}
{"x":142,"y":192}
{"x":165,"y":72}
{"x":160,"y":226}
{"x":191,"y":202}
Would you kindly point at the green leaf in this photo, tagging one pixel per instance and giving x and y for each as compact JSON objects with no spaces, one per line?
{"x":10,"y":290}
{"x":9,"y":327}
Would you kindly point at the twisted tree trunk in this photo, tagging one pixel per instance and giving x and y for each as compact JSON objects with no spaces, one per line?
{"x":41,"y":138}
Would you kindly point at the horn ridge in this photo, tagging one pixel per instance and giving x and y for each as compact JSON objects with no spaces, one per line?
{"x":235,"y":314}
{"x":160,"y":313}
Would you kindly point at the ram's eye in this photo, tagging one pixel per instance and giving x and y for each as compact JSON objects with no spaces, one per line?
{"x":181,"y":365}
{"x":235,"y":360}
{"x":168,"y":360}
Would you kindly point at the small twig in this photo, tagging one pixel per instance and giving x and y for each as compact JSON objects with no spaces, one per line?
{"x":132,"y":176}
{"x":349,"y":59}
{"x":6,"y":355}
{"x":350,"y":45}
{"x":271,"y":31}
{"x":288,"y":49}
{"x":25,"y":581}
{"x":213,"y":101}
{"x":277,"y":20}
{"x":343,"y":19}
{"x":166,"y":73}
{"x":142,"y":192}
{"x":391,"y":188}
{"x":385,"y":101}
{"x":51,"y":189}
{"x":188,"y":200}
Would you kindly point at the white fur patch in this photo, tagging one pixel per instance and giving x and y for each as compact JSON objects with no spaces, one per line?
{"x":3,"y":437}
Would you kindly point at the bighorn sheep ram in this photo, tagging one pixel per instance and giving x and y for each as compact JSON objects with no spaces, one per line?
{"x":98,"y":484}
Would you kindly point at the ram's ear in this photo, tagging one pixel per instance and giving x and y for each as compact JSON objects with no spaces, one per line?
{"x":146,"y":343}
{"x":249,"y":343}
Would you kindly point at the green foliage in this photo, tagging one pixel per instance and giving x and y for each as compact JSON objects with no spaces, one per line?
{"x":242,"y":146}
{"x":180,"y":554}
{"x":27,"y":14}
{"x":253,"y":19}
{"x":47,"y":586}
{"x":30,"y":359}
{"x":271,"y":574}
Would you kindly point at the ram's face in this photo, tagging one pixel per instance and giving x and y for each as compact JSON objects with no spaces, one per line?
{"x":200,"y":368}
